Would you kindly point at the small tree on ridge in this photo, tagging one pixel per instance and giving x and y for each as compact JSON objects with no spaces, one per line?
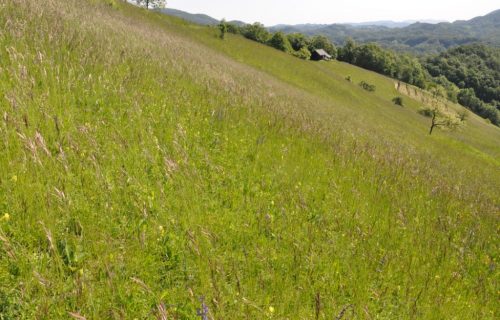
{"x":441,"y":118}
{"x":223,"y":29}
{"x":152,"y":4}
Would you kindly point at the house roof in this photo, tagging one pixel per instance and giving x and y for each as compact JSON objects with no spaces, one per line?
{"x":323,"y":53}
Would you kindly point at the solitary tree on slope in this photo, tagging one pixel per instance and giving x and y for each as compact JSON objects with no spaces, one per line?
{"x":441,"y":118}
{"x":152,"y":4}
{"x":223,"y":29}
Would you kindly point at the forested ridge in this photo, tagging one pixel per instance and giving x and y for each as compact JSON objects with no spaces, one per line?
{"x":421,"y":38}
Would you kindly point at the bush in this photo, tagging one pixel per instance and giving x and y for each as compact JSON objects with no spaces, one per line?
{"x":298,"y":41}
{"x":232,"y":28}
{"x":111,"y":3}
{"x":398,"y":101}
{"x":280,"y":41}
{"x":303,"y":53}
{"x":464,"y":115}
{"x":426,"y":112}
{"x":223,"y":29}
{"x":256,"y":32}
{"x":367,"y":86}
{"x":348,"y":78}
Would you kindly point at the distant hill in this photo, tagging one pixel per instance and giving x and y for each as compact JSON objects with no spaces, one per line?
{"x":426,"y":36}
{"x":391,"y":24}
{"x":417,"y":37}
{"x":202,"y":19}
{"x":197,"y":18}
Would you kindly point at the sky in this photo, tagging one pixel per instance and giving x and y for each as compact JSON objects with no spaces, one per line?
{"x":272,"y":12}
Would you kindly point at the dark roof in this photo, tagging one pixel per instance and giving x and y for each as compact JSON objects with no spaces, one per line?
{"x":323,"y":53}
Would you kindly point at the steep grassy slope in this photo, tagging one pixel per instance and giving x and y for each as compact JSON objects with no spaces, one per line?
{"x":145,"y":164}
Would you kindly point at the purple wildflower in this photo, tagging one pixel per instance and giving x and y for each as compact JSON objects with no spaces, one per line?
{"x":203,"y":311}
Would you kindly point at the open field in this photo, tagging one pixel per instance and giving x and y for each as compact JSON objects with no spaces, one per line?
{"x":145,"y":163}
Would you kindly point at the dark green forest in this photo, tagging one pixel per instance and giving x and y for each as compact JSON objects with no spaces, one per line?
{"x":475,"y":70}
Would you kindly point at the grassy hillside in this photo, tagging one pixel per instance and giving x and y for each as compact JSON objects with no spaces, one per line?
{"x":146,"y":163}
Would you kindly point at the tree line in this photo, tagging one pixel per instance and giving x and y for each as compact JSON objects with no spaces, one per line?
{"x":368,"y":56}
{"x":295,"y":44}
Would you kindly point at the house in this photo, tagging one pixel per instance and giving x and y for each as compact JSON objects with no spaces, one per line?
{"x":320,"y":54}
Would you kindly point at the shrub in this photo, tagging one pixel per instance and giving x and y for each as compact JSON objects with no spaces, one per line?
{"x":367,"y":86}
{"x":223,"y":29}
{"x":298,"y":41}
{"x":111,"y":3}
{"x":256,"y":32}
{"x":280,"y":41}
{"x":348,"y":78}
{"x":464,"y":115}
{"x":303,"y":53}
{"x":232,"y":28}
{"x":398,"y":101}
{"x":426,"y":112}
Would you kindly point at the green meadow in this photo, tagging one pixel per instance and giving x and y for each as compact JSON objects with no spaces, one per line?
{"x":147,"y":166}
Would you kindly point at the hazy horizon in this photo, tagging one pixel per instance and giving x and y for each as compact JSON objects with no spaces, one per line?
{"x":327,"y":12}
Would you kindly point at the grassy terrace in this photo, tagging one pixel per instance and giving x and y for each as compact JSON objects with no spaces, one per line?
{"x":146,"y":163}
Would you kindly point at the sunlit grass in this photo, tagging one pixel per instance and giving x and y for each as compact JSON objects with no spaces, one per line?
{"x":146,"y":163}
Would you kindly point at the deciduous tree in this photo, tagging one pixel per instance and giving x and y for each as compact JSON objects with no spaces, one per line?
{"x":152,"y":4}
{"x":280,"y":42}
{"x":442,"y":118}
{"x":298,"y":41}
{"x":223,"y":29}
{"x":256,"y":32}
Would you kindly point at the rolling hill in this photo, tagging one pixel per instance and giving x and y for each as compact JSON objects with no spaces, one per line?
{"x":152,"y":170}
{"x":417,"y":37}
{"x":202,"y":19}
{"x":392,"y":24}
